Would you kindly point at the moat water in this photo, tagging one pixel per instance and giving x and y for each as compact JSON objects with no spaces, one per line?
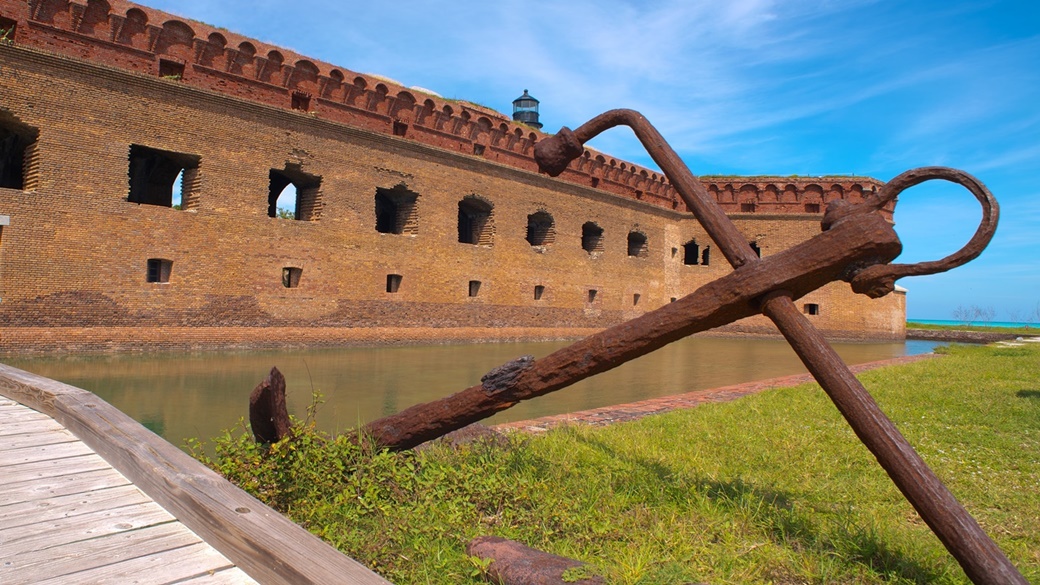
{"x":199,"y":395}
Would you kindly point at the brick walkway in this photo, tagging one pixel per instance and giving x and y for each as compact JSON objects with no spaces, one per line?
{"x":636,"y":410}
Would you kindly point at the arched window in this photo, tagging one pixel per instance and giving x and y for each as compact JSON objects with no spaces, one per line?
{"x":294,"y":194}
{"x":475,"y":222}
{"x":541,"y":229}
{"x":591,"y":238}
{"x":691,"y":253}
{"x":396,"y":211}
{"x":637,"y":246}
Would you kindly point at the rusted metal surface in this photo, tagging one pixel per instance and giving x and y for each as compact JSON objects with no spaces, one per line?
{"x":268,"y":414}
{"x":801,"y":269}
{"x":513,"y":563}
{"x":856,"y":246}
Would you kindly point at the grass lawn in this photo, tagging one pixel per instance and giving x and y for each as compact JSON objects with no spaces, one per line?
{"x":771,"y":488}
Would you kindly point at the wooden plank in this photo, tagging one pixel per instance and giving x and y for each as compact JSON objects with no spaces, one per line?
{"x":53,"y":468}
{"x":21,"y":426}
{"x":96,"y":552}
{"x":162,"y":567}
{"x":50,"y":487}
{"x":26,"y":538}
{"x":77,"y":557}
{"x":42,"y":453}
{"x":20,"y":410}
{"x":36,"y":511}
{"x":264,"y":544}
{"x":232,"y":576}
{"x":40,"y":438}
{"x":23,"y":413}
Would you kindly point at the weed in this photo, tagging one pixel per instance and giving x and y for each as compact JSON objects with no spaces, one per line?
{"x":771,"y":488}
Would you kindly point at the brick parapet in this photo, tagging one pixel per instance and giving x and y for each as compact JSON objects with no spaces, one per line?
{"x":136,"y":38}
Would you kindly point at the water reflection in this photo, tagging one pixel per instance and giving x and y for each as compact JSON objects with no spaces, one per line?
{"x":200,"y":394}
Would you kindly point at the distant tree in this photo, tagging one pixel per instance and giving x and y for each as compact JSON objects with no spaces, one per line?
{"x":970,"y":315}
{"x":284,"y":213}
{"x":963,"y":314}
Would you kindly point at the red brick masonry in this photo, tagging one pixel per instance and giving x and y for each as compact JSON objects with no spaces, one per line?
{"x":637,"y":410}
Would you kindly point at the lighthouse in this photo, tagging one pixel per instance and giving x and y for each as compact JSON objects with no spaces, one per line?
{"x":525,"y":109}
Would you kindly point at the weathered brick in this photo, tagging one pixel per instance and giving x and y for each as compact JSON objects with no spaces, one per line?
{"x":82,"y":84}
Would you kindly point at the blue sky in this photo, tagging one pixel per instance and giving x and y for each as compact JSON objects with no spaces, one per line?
{"x":743,"y":87}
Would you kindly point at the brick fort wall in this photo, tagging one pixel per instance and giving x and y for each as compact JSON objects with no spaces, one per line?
{"x":415,"y":218}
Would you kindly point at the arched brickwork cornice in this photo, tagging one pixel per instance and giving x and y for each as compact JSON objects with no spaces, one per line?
{"x":134,"y":37}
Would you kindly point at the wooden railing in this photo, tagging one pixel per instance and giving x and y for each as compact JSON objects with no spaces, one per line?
{"x":260,"y":541}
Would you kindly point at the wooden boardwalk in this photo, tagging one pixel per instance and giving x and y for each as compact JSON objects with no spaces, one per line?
{"x":66,"y":516}
{"x":87,"y":495}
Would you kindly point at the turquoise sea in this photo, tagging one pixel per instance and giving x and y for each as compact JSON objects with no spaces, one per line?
{"x":974,"y":323}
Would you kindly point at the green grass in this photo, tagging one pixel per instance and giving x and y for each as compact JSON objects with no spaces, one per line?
{"x":1027,"y":330}
{"x":772,"y":488}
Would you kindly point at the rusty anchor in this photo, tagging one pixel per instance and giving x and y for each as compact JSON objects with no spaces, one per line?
{"x":856,"y":246}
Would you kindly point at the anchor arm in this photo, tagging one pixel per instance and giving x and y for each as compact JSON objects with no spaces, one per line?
{"x":801,"y":270}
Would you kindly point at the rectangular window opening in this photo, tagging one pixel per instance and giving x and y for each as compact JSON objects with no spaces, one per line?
{"x":159,"y":270}
{"x":396,"y":211}
{"x":747,"y":207}
{"x":478,"y":149}
{"x":301,"y":101}
{"x":393,"y":282}
{"x":812,"y":207}
{"x":19,"y":154}
{"x":592,"y":295}
{"x":171,"y":70}
{"x":811,"y":309}
{"x":164,"y":178}
{"x":539,"y":290}
{"x":291,"y":276}
{"x":7,"y":30}
{"x":474,"y":288}
{"x":635,"y":299}
{"x":400,"y":128}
